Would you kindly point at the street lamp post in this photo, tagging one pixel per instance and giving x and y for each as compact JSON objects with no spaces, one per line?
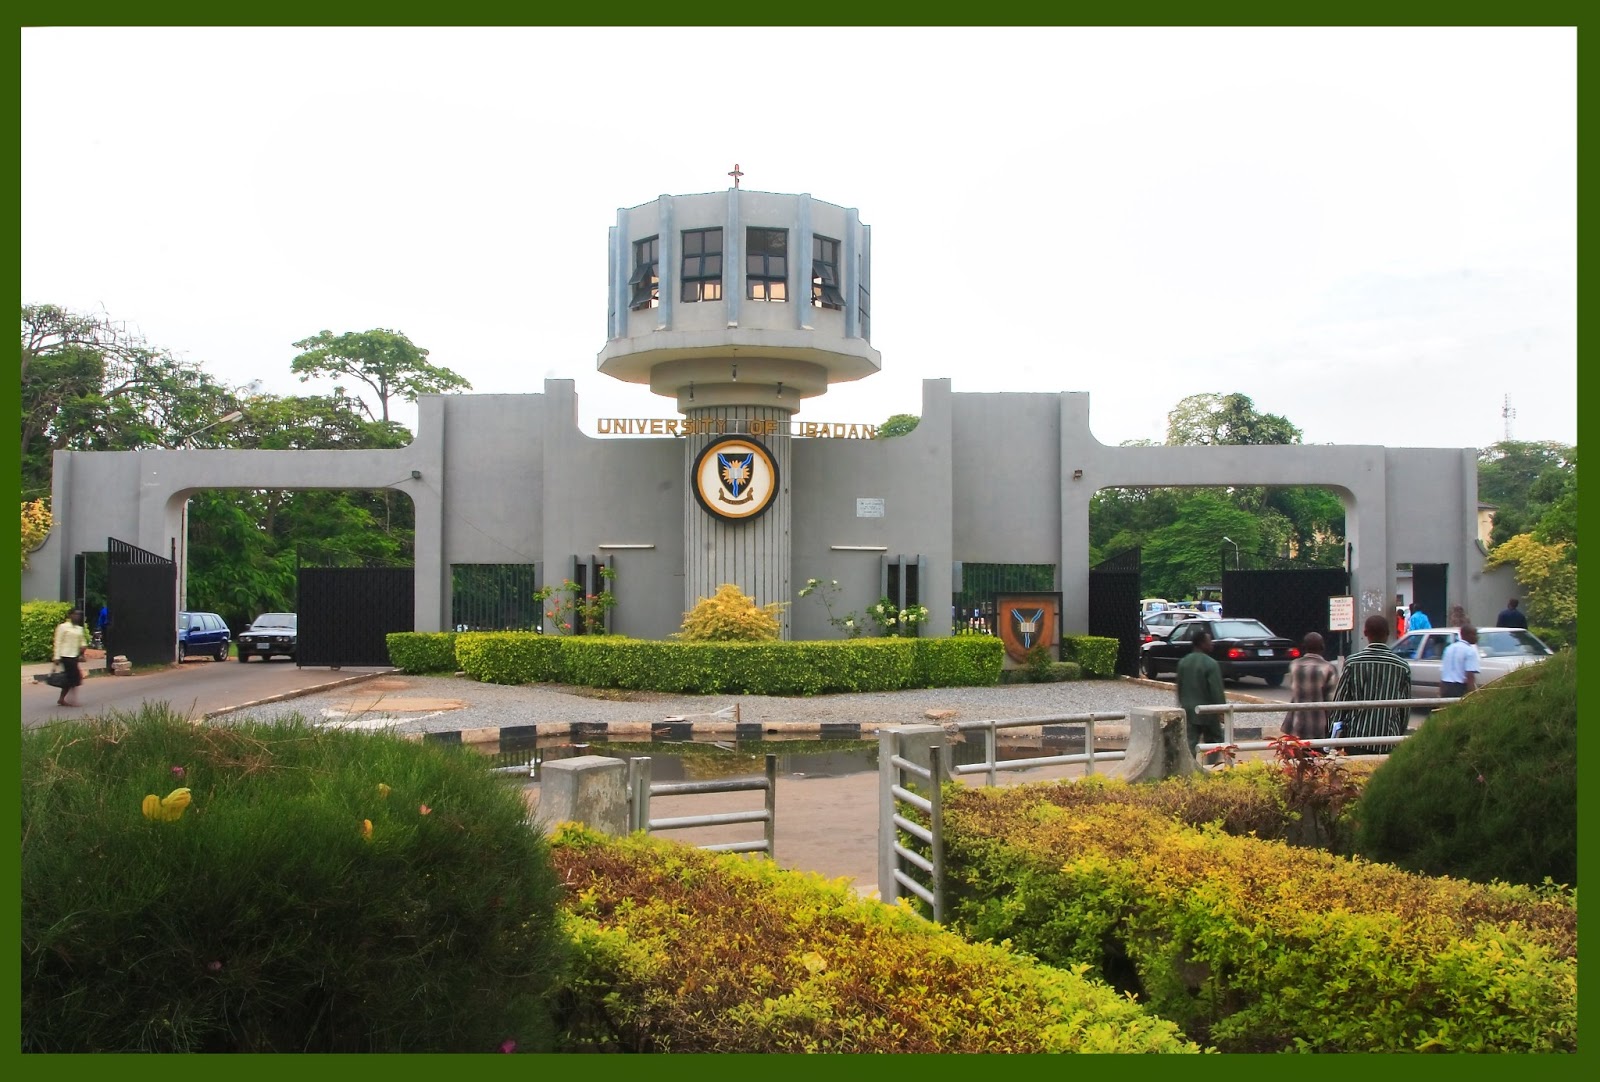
{"x":1235,"y":545}
{"x":183,"y":548}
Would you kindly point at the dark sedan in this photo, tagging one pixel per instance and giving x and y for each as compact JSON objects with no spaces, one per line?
{"x":1241,"y":648}
{"x":270,"y":633}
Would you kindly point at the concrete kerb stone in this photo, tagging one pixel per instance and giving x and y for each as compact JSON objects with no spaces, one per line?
{"x":299,"y":693}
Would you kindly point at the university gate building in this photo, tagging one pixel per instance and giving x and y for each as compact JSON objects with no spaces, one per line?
{"x":740,"y":309}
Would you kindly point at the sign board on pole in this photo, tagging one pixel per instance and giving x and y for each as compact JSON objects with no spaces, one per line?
{"x":1341,"y":614}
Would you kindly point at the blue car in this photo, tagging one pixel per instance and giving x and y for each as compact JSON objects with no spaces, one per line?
{"x":203,"y":634}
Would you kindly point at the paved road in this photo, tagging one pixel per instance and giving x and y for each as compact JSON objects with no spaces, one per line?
{"x":197,"y":687}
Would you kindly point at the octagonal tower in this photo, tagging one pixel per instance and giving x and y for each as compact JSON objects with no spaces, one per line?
{"x":739,"y":305}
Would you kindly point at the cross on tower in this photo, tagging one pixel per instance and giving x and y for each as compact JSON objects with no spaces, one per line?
{"x":736,"y":174}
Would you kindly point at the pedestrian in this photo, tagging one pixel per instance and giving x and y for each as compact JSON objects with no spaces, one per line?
{"x":1312,"y":679}
{"x":1418,"y":620}
{"x":70,"y":639}
{"x":1459,"y":668}
{"x":1457,"y":617}
{"x":1200,"y":684}
{"x":1374,"y":673}
{"x":1511,"y":616}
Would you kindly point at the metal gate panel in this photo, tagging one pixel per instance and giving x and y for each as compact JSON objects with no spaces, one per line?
{"x":347,"y":612}
{"x":1290,"y":601}
{"x":1114,"y":606}
{"x":142,"y":596}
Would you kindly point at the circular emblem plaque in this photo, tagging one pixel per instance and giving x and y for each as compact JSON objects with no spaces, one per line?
{"x":734,"y":478}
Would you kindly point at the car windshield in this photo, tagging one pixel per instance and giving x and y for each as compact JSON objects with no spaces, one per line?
{"x":1240,"y":629}
{"x":1510,"y":643}
{"x":275,"y":619}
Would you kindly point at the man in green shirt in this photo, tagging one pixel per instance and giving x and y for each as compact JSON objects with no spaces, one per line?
{"x":1200,"y":684}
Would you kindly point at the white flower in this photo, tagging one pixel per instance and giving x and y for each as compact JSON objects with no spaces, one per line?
{"x":849,"y":622}
{"x":836,"y":582}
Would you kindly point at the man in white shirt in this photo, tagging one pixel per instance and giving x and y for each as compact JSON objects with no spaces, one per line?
{"x":1458,"y":669}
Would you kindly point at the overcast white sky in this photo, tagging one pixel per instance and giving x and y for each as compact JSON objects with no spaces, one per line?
{"x":1372,"y":232}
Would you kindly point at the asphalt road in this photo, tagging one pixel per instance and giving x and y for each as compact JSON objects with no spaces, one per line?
{"x":196,"y":688}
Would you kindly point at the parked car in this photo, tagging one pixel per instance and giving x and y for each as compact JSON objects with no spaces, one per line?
{"x":202,"y":633}
{"x":1158,"y":625}
{"x":1500,"y":650}
{"x":270,"y":634}
{"x":1147,"y":605}
{"x":1241,"y":648}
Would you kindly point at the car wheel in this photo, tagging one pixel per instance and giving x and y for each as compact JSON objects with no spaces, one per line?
{"x":222,"y":651}
{"x":1149,"y":667}
{"x":1275,"y":680}
{"x":243,"y":656}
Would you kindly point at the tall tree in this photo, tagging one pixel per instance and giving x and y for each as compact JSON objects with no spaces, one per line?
{"x":898,"y":424}
{"x":1226,"y":419}
{"x":387,"y":361}
{"x":1522,"y":480}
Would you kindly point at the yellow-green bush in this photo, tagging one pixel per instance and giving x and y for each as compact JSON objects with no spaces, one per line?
{"x":731,"y":615}
{"x":959,"y":661}
{"x":1253,"y":945}
{"x":39,"y":620}
{"x":1095,"y":654}
{"x":423,"y":651}
{"x":680,"y":950}
{"x":509,"y":657}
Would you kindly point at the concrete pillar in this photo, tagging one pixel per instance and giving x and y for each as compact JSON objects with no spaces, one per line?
{"x":911,"y":742}
{"x":587,"y":789}
{"x":1158,"y":744}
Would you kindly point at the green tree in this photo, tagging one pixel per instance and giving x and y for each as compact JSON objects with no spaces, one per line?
{"x":1548,"y":575}
{"x":387,"y":361}
{"x":1189,"y":551}
{"x":1522,"y":480}
{"x":899,"y":424}
{"x":1226,"y":419}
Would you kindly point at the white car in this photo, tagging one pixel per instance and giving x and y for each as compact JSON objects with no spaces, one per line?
{"x":1159,"y":625}
{"x":1500,"y":650}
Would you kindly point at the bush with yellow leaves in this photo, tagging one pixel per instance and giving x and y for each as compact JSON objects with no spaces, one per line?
{"x":731,"y":616}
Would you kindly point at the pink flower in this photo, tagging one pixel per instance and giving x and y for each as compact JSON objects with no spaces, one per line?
{"x":508,"y":1045}
{"x":215,"y":967}
{"x":424,"y":809}
{"x":178,"y":772}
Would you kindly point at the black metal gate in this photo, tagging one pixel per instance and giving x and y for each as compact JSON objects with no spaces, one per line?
{"x":1428,"y":583}
{"x":346,"y":612}
{"x":1114,"y":606}
{"x":1290,"y":601}
{"x":142,"y":599}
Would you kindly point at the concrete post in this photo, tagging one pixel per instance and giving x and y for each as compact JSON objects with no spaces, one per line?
{"x":910,"y":742}
{"x":1158,"y":744}
{"x":587,"y":789}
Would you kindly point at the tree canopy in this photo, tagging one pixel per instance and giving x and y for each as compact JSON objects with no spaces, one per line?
{"x":898,"y":424}
{"x":1226,"y":419}
{"x":386,"y":361}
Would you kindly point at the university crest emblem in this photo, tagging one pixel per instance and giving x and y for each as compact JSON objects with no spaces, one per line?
{"x":1028,"y":620}
{"x":734,"y":478}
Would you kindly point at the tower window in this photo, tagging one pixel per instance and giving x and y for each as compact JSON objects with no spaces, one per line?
{"x":766,"y":264}
{"x":825,"y":273}
{"x":702,"y":265}
{"x":646,"y":283}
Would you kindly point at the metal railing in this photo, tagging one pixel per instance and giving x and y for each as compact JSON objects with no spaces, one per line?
{"x":641,"y":790}
{"x":990,"y":728}
{"x":931,"y":835}
{"x":1229,"y":710}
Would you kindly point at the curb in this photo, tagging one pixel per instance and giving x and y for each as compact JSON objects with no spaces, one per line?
{"x":297,"y":694}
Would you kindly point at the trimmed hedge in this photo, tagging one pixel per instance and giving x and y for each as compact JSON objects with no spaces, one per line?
{"x":751,"y":668}
{"x":1488,"y":788}
{"x":1095,"y":654}
{"x":681,"y":950}
{"x":1253,"y":945}
{"x":323,"y":891}
{"x":423,"y":651}
{"x":39,"y":620}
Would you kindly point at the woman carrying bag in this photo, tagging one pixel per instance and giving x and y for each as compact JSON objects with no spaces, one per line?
{"x":70,"y":639}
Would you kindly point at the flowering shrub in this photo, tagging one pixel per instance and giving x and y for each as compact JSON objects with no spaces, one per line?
{"x":570,"y":609}
{"x":303,"y":889}
{"x":850,"y":623}
{"x":893,"y":621}
{"x":35,"y":527}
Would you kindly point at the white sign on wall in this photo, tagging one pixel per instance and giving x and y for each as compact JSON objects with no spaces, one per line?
{"x":1341,"y":614}
{"x":869,"y":507}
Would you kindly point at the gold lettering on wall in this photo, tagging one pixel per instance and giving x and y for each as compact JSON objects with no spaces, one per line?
{"x":719,"y":426}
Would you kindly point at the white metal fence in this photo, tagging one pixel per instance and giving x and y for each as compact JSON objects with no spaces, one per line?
{"x":1229,"y":710}
{"x":641,"y":789}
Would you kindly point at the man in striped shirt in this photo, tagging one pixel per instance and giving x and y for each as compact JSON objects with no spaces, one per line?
{"x":1373,"y":673}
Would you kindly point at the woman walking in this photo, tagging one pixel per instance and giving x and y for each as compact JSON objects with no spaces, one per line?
{"x":70,"y":639}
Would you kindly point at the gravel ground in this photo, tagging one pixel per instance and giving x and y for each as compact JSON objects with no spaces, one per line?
{"x":445,"y":704}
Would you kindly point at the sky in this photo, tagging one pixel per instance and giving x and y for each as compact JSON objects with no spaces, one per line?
{"x":1369,"y":231}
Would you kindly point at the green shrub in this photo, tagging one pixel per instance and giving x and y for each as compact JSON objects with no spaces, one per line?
{"x":268,"y":917}
{"x":39,"y":620}
{"x":1095,"y":654}
{"x":423,"y":651}
{"x":1488,"y":788}
{"x":731,"y":616}
{"x":510,"y":657}
{"x":959,"y":661}
{"x":680,"y":950}
{"x":1254,"y":945}
{"x":749,"y":668}
{"x":1554,"y":637}
{"x":1060,"y":671}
